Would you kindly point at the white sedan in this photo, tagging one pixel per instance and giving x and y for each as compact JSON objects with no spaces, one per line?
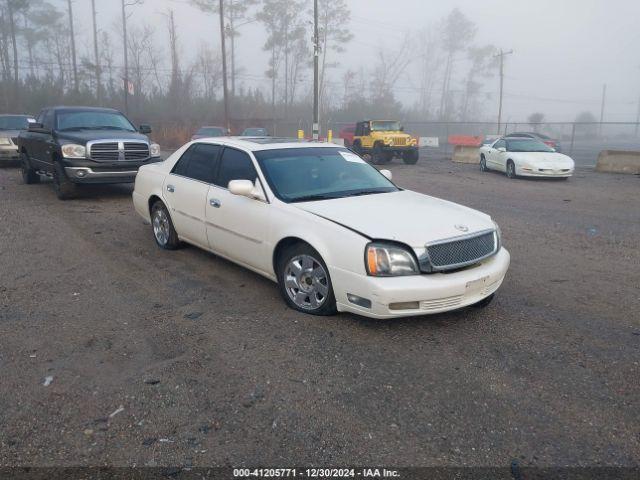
{"x":334,"y":233}
{"x":525,"y":157}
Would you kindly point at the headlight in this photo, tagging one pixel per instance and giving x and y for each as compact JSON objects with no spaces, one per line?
{"x":5,"y":141}
{"x":388,"y":260}
{"x":74,"y":151}
{"x":154,"y":150}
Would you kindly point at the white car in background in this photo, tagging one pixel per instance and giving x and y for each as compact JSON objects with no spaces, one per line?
{"x":525,"y":157}
{"x":334,"y":233}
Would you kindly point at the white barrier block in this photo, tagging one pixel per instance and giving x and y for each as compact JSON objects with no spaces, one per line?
{"x":429,"y":142}
{"x":338,"y":141}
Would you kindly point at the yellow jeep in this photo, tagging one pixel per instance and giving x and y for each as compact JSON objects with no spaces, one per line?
{"x":381,"y":140}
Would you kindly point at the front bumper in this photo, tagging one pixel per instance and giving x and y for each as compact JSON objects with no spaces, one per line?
{"x":544,"y":172}
{"x":88,"y":171}
{"x":435,"y":293}
{"x":9,"y":152}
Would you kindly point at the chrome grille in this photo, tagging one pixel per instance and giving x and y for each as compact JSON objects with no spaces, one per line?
{"x":115,"y":151}
{"x":461,"y":252}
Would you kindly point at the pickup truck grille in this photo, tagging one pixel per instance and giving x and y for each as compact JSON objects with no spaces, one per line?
{"x":460,"y":253}
{"x":114,"y":151}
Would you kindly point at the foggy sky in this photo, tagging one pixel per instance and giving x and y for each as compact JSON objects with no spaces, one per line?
{"x":564,"y":50}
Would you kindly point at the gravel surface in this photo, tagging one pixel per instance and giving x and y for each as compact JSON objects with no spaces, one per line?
{"x":114,"y":352}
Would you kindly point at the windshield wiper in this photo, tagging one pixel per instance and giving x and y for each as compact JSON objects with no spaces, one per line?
{"x":364,"y":192}
{"x":310,"y":198}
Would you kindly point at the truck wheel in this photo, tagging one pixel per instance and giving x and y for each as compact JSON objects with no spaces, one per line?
{"x":410,"y":157}
{"x":379,"y":156}
{"x":65,"y":189}
{"x":29,"y":175}
{"x":356,"y":148}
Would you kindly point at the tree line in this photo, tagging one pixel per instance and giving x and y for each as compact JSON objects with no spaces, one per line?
{"x":43,"y":61}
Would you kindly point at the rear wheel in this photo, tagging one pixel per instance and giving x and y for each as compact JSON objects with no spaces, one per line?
{"x":304,"y":282}
{"x":65,"y":188}
{"x":164,"y":232}
{"x":379,"y":156}
{"x":410,"y":157}
{"x":511,"y":169}
{"x":29,"y":175}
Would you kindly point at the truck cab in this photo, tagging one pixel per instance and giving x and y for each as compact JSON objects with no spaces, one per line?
{"x":382,"y":140}
{"x":84,"y":145}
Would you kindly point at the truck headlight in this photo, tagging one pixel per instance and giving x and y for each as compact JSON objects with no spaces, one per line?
{"x":72,"y":150}
{"x":154,"y":150}
{"x":390,"y":260}
{"x":5,"y":141}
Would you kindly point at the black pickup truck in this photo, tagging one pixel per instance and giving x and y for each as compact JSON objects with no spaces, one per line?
{"x":84,"y":145}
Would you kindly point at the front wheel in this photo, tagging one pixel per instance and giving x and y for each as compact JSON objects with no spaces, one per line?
{"x":304,"y":282}
{"x":379,"y":156}
{"x":483,"y":164}
{"x":511,"y":169}
{"x":410,"y":157}
{"x":65,"y":188}
{"x":29,"y":175}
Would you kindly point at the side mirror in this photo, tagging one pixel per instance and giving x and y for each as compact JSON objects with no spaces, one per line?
{"x":387,"y":174}
{"x":502,"y":149}
{"x":402,"y":128}
{"x":145,"y":129}
{"x":245,"y":188}
{"x":35,"y":127}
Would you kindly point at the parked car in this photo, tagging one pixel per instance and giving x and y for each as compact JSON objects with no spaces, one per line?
{"x":205,"y":132}
{"x":10,"y":127}
{"x":255,"y":132}
{"x":84,"y":145}
{"x":551,"y":142}
{"x":526,"y":157}
{"x":331,"y":230}
{"x":347,"y":134}
{"x":382,"y":140}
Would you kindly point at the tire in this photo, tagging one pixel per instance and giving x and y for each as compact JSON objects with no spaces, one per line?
{"x":511,"y":169}
{"x":410,"y":157}
{"x":356,"y":147}
{"x":485,"y":301}
{"x":483,"y":164}
{"x":304,"y":281}
{"x":29,"y":175}
{"x":65,"y":188}
{"x":379,"y":156}
{"x":164,"y":232}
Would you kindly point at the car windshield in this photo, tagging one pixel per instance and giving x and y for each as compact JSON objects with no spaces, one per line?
{"x":88,"y":120}
{"x":13,"y":122}
{"x":527,"y":145}
{"x":211,"y":132}
{"x":320,"y":173}
{"x":255,"y":132}
{"x":379,"y":126}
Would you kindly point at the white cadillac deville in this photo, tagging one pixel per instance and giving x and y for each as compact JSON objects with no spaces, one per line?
{"x":526,"y":157}
{"x":332,"y":231}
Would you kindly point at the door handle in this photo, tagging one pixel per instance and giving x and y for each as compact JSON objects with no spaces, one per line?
{"x":214,"y":202}
{"x":171,"y":188}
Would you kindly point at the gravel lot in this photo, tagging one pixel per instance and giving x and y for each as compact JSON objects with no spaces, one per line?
{"x":182,"y":358}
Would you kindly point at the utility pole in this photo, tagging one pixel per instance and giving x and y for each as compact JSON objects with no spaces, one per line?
{"x":224,"y":69}
{"x":316,"y":90}
{"x":604,"y":98}
{"x":126,"y":60}
{"x":638,"y":118}
{"x":73,"y":48}
{"x":501,"y":55}
{"x":96,"y":54}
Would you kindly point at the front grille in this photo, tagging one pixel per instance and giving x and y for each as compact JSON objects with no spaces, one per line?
{"x":466,"y":251}
{"x":400,"y":141}
{"x":111,"y":151}
{"x":440,"y":303}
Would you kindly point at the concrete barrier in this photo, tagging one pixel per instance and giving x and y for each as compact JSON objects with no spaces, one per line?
{"x":618,"y":161}
{"x":466,"y":154}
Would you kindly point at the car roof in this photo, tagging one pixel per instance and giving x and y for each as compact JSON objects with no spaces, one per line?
{"x":16,"y":115}
{"x":212,"y":126}
{"x":265,"y":143}
{"x":83,"y":109}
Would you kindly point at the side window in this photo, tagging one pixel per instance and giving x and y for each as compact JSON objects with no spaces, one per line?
{"x":203,"y":162}
{"x":235,"y":165}
{"x":180,"y":168}
{"x":40,"y":118}
{"x":49,"y":119}
{"x":500,"y":144}
{"x":359,"y":129}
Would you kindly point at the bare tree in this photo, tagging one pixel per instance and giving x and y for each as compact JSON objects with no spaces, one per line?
{"x":483,"y":61}
{"x":72,"y":40}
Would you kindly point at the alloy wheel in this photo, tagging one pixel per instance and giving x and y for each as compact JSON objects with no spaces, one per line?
{"x":306,"y":282}
{"x":161,"y":227}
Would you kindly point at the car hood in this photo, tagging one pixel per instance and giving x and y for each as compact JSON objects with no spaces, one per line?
{"x":84,"y":136}
{"x":9,"y":133}
{"x":544,"y":159}
{"x":403,"y":216}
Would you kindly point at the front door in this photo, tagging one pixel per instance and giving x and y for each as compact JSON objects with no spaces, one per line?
{"x":237,"y":226}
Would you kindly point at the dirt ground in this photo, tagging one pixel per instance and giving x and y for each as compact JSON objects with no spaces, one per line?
{"x":182,"y":358}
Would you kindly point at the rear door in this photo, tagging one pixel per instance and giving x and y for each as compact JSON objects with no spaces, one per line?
{"x":237,"y":226}
{"x":185,"y":190}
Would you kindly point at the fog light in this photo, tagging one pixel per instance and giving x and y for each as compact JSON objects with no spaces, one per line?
{"x":81,"y":173}
{"x":404,"y":306}
{"x":362,"y":302}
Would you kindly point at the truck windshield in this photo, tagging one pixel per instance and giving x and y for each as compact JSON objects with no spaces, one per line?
{"x":307,"y":174}
{"x":82,"y":120}
{"x":385,"y":126}
{"x":13,"y":122}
